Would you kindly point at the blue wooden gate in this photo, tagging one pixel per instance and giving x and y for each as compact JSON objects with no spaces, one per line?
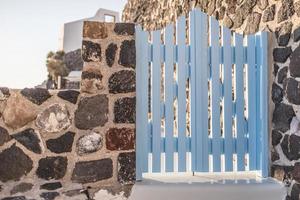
{"x":202,"y":102}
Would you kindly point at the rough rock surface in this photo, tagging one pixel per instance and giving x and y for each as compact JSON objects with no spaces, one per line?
{"x":124,"y":110}
{"x":282,"y":74}
{"x":61,"y":144}
{"x":292,"y":91}
{"x":291,"y":147}
{"x":4,"y":136}
{"x":36,"y":95}
{"x":124,"y":28}
{"x":91,"y":112}
{"x":283,"y":33}
{"x":30,"y":139}
{"x":52,"y":168}
{"x":127,"y":54}
{"x":91,"y":52}
{"x":69,"y":95}
{"x":122,"y":82}
{"x":120,"y":139}
{"x":91,"y":80}
{"x":14,"y":164}
{"x":110,"y":54}
{"x":282,"y":54}
{"x":294,"y":64}
{"x":126,"y":166}
{"x":94,"y":30}
{"x":51,"y":186}
{"x":269,"y":14}
{"x":89,"y":143}
{"x":54,"y":119}
{"x":73,"y":60}
{"x":4,"y":93}
{"x":49,"y":195}
{"x":282,"y":117}
{"x":92,"y":171}
{"x":22,"y":187}
{"x":277,"y":93}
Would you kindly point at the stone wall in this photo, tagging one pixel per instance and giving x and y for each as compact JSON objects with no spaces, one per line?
{"x":282,"y":17}
{"x":75,"y":140}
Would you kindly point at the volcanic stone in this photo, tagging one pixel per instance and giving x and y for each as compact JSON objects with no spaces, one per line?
{"x":22,"y":187}
{"x":274,"y":156}
{"x":276,"y":137}
{"x":52,"y":167}
{"x":282,"y":74}
{"x":110,"y":54}
{"x":49,"y":195}
{"x":276,"y":68}
{"x":277,"y":93}
{"x":30,"y":139}
{"x":297,"y":34}
{"x":291,"y":147}
{"x":18,"y":111}
{"x":91,"y":112}
{"x":4,"y":136}
{"x":120,"y":139}
{"x":4,"y":93}
{"x":282,"y":117}
{"x":91,"y":80}
{"x":61,"y":144}
{"x":54,"y":119}
{"x":283,"y":33}
{"x":285,"y":11}
{"x":14,"y":164}
{"x":91,"y":75}
{"x":124,"y":28}
{"x":294,"y":64}
{"x":36,"y":95}
{"x":92,"y":171}
{"x":69,"y":95}
{"x":281,"y":54}
{"x":94,"y":30}
{"x":91,"y":52}
{"x":122,"y":82}
{"x":292,"y":91}
{"x":73,"y":60}
{"x":253,"y":23}
{"x":15,"y":198}
{"x":124,"y":110}
{"x":51,"y":186}
{"x":127,"y":53}
{"x":269,"y":14}
{"x":296,"y":172}
{"x":89,"y":143}
{"x":295,"y":192}
{"x":126,"y":166}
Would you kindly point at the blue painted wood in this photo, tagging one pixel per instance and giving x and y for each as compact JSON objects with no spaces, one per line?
{"x":251,"y":89}
{"x":239,"y":98}
{"x":142,"y":103}
{"x":264,"y":84}
{"x":169,"y":108}
{"x":201,"y":45}
{"x":227,"y":102}
{"x":155,"y":102}
{"x":192,"y":91}
{"x":215,"y":94}
{"x":181,"y":79}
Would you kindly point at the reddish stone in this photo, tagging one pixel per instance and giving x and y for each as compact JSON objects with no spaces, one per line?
{"x":296,"y":172}
{"x":120,"y":139}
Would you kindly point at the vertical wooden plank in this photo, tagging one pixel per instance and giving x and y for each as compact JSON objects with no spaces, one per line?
{"x":258,"y":120}
{"x":239,"y":99}
{"x":181,"y":79}
{"x":251,"y":88}
{"x":169,"y":108}
{"x":227,"y":101}
{"x":155,"y":103}
{"x":264,"y":99}
{"x":201,"y":45}
{"x":215,"y":94}
{"x":192,"y":84}
{"x":141,"y":103}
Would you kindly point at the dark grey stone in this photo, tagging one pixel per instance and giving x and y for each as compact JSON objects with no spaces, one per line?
{"x":276,"y":137}
{"x":126,"y":166}
{"x":297,"y":34}
{"x":73,"y":60}
{"x":15,"y":198}
{"x":277,"y":93}
{"x":69,"y":95}
{"x":275,"y":70}
{"x":4,"y":93}
{"x":92,"y":171}
{"x":283,"y":33}
{"x":4,"y":136}
{"x":124,"y":110}
{"x":291,"y":146}
{"x":294,"y":63}
{"x":282,"y":74}
{"x":36,"y":95}
{"x":124,"y":28}
{"x":91,"y":75}
{"x":282,"y":117}
{"x":127,"y":53}
{"x":91,"y":52}
{"x":22,"y":187}
{"x":49,"y":195}
{"x":61,"y":144}
{"x":292,"y":91}
{"x":110,"y":54}
{"x":295,"y":192}
{"x":51,"y":186}
{"x":91,"y":112}
{"x":274,"y":156}
{"x":29,"y":139}
{"x":122,"y":82}
{"x":281,"y":54}
{"x":52,"y":167}
{"x":285,"y":11}
{"x":269,"y":14}
{"x":14,"y":164}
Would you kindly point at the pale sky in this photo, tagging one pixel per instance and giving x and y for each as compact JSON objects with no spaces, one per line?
{"x":29,"y":29}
